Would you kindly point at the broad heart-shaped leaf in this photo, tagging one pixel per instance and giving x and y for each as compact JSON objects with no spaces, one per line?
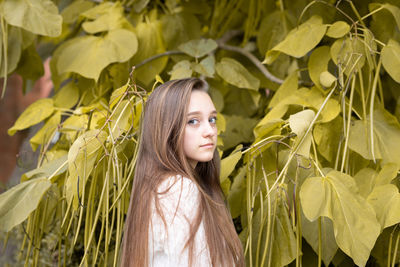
{"x":150,"y":40}
{"x":386,"y":201}
{"x":44,"y":135}
{"x":33,"y":114}
{"x":121,"y":118}
{"x":89,"y":55}
{"x":18,"y":202}
{"x":327,"y":137}
{"x":181,"y":70}
{"x":198,"y":48}
{"x":37,"y":16}
{"x":300,"y":40}
{"x":236,"y":74}
{"x":326,"y":79}
{"x":309,"y":231}
{"x":110,"y":20}
{"x":206,"y":66}
{"x":391,"y":59}
{"x":288,"y":87}
{"x":338,"y":29}
{"x":54,"y":167}
{"x":30,"y":66}
{"x":318,"y":63}
{"x":14,"y":43}
{"x":67,"y":96}
{"x":335,"y":196}
{"x":228,"y":163}
{"x":81,"y":159}
{"x":391,"y":8}
{"x":236,"y":197}
{"x":299,"y":124}
{"x":71,"y":13}
{"x":348,"y":52}
{"x":386,"y":131}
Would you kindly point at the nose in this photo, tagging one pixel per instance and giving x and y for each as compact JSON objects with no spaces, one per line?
{"x":209,"y":130}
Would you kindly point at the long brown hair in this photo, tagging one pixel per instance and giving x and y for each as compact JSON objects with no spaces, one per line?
{"x":160,"y":156}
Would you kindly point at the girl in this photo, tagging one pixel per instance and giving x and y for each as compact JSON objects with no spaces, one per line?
{"x":177,"y":215}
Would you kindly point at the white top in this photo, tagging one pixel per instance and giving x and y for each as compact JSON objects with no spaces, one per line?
{"x":179,"y":205}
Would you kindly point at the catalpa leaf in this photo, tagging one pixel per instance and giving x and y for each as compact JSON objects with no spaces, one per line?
{"x":89,"y":55}
{"x":338,"y":29}
{"x":391,"y":59}
{"x":228,"y":163}
{"x":236,"y":74}
{"x":37,"y":16}
{"x":318,"y":63}
{"x":355,"y":225}
{"x":198,"y":48}
{"x":300,"y":40}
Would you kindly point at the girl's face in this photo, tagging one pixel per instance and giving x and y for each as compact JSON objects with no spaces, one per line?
{"x":200,"y":137}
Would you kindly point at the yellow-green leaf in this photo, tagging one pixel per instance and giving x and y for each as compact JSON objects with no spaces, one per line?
{"x":350,"y":53}
{"x":236,"y":74}
{"x":18,"y":202}
{"x":44,"y":135}
{"x":206,"y":66}
{"x":391,"y":8}
{"x":327,"y":137}
{"x":121,"y":118}
{"x":335,"y":196}
{"x":386,"y":201}
{"x":71,"y":13}
{"x":81,"y":160}
{"x":318,"y":63}
{"x":338,"y":29}
{"x":33,"y":114}
{"x":299,"y":123}
{"x":181,"y":70}
{"x":198,"y":48}
{"x":37,"y":16}
{"x":89,"y":55}
{"x":288,"y":87}
{"x":386,"y":130}
{"x":391,"y":59}
{"x":228,"y":164}
{"x":67,"y":96}
{"x":326,"y":79}
{"x":300,"y":40}
{"x":54,"y":167}
{"x":14,"y":42}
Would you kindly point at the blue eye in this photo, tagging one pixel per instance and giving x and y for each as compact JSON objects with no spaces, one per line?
{"x":193,"y":121}
{"x":213,"y":120}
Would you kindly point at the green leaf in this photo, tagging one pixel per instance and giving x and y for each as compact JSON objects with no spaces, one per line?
{"x":300,"y":40}
{"x":391,"y":59}
{"x":18,"y":202}
{"x":151,"y":43}
{"x":335,"y":196}
{"x":327,"y":137}
{"x":309,"y":231}
{"x":198,"y":48}
{"x":67,"y":96}
{"x":181,"y":70}
{"x":82,"y":54}
{"x":30,"y":66}
{"x":338,"y":29}
{"x":112,"y":19}
{"x":365,"y":179}
{"x":118,"y":94}
{"x":81,"y":160}
{"x":37,"y":16}
{"x":72,"y":12}
{"x":179,"y":28}
{"x":54,"y":167}
{"x":348,"y":52}
{"x":288,"y":87}
{"x":33,"y":114}
{"x":386,"y":131}
{"x":121,"y":118}
{"x":326,"y":79}
{"x":44,"y":135}
{"x":74,"y":124}
{"x":236,"y":74}
{"x":228,"y":163}
{"x":387,"y":174}
{"x":14,"y":43}
{"x":318,"y":63}
{"x":386,"y":201}
{"x":236,"y":197}
{"x":235,"y":133}
{"x":299,"y":124}
{"x":391,"y":8}
{"x":206,"y":66}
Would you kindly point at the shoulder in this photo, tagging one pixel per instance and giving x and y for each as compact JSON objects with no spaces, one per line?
{"x":179,"y":193}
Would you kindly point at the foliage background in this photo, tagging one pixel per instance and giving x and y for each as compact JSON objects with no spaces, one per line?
{"x":308,"y":100}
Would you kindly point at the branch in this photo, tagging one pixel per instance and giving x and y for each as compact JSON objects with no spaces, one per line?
{"x":253,"y":59}
{"x":167,"y":53}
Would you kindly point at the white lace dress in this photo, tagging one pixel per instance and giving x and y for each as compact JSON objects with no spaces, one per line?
{"x":180,"y":205}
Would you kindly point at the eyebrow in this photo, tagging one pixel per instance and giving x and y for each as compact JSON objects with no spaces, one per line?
{"x":198,"y":112}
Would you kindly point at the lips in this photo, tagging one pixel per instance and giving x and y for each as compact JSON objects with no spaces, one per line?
{"x":208,"y":145}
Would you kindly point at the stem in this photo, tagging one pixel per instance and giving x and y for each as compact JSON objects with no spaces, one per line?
{"x":371,"y":109}
{"x":5,"y":45}
{"x":353,"y":86}
{"x":396,"y":246}
{"x":319,"y":242}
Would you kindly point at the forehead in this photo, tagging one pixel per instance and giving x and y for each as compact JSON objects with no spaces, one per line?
{"x":200,"y":101}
